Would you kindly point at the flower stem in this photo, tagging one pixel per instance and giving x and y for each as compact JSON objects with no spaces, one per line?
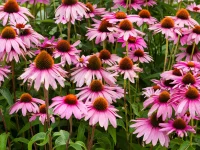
{"x":91,"y":139}
{"x":191,"y":136}
{"x":13,"y":78}
{"x":46,"y":97}
{"x":104,"y":44}
{"x":4,"y":124}
{"x":125,"y":109}
{"x":32,"y":134}
{"x":126,"y":48}
{"x":68,"y":30}
{"x":166,"y":53}
{"x":193,"y":47}
{"x":70,"y":132}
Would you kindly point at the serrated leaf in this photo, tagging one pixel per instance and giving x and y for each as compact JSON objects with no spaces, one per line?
{"x":21,"y":139}
{"x":37,"y":137}
{"x":185,"y":145}
{"x":3,"y":140}
{"x":7,"y":95}
{"x":112,"y":132}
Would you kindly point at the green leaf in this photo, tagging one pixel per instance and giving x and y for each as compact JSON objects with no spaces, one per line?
{"x":7,"y":95}
{"x":81,"y":131}
{"x":45,"y":141}
{"x":112,"y":132}
{"x":21,"y":139}
{"x":185,"y":145}
{"x":37,"y":137}
{"x":176,"y":141}
{"x":62,"y":139}
{"x":135,"y":109}
{"x":81,"y":144}
{"x":27,"y":126}
{"x":3,"y":140}
{"x":75,"y":146}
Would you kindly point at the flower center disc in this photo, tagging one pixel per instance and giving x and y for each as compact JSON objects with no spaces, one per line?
{"x":120,"y":15}
{"x":42,"y":109}
{"x":8,"y":33}
{"x":26,"y":32}
{"x":176,"y":72}
{"x":94,"y":63}
{"x":183,"y":14}
{"x":139,"y":53}
{"x":90,"y":7}
{"x":190,"y":64}
{"x":156,"y":87}
{"x":131,"y":39}
{"x":70,"y":99}
{"x":11,"y":6}
{"x":96,"y":86}
{"x":189,"y":79}
{"x":196,"y":8}
{"x":26,"y":98}
{"x":69,"y":2}
{"x":168,"y":83}
{"x":167,"y":22}
{"x":164,"y":97}
{"x":125,"y":63}
{"x":104,"y":54}
{"x":179,"y":124}
{"x":63,"y":46}
{"x":103,"y":27}
{"x":155,"y":121}
{"x":44,"y":60}
{"x":189,"y":49}
{"x":125,"y":25}
{"x":196,"y":29}
{"x":144,"y":14}
{"x":20,"y":25}
{"x":192,"y":93}
{"x":100,"y":104}
{"x":48,"y":50}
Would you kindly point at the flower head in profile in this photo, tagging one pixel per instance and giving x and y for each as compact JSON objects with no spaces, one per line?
{"x":179,"y":126}
{"x":139,"y":55}
{"x":48,"y":45}
{"x":34,"y":1}
{"x":193,"y":35}
{"x":135,"y":4}
{"x":27,"y":104}
{"x":65,"y":106}
{"x":149,"y":3}
{"x":187,"y":66}
{"x":66,"y":51}
{"x":93,"y":10}
{"x":150,"y":91}
{"x":81,"y":61}
{"x":97,"y":89}
{"x":134,"y":43}
{"x":101,"y":31}
{"x":164,"y":84}
{"x":69,"y":11}
{"x":42,"y":114}
{"x":93,"y":70}
{"x":194,"y":7}
{"x":127,"y":68}
{"x":100,"y":111}
{"x":172,"y":74}
{"x":3,"y":73}
{"x":44,"y":71}
{"x":13,"y":12}
{"x":149,"y":128}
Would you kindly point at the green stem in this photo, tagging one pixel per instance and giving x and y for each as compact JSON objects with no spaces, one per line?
{"x":193,"y":47}
{"x":125,"y":109}
{"x":13,"y":79}
{"x":70,"y":132}
{"x":126,"y":48}
{"x":175,"y":51}
{"x":166,"y":53}
{"x":104,"y":44}
{"x":91,"y":139}
{"x":68,"y":30}
{"x":191,"y":136}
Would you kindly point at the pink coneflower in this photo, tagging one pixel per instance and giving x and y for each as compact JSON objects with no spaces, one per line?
{"x":187,"y":79}
{"x":34,"y":1}
{"x":166,"y":27}
{"x":127,"y":68}
{"x":144,"y":16}
{"x":188,"y":99}
{"x":3,"y":73}
{"x":27,"y":104}
{"x":193,"y":7}
{"x":43,"y":70}
{"x":160,"y":101}
{"x":139,"y":55}
{"x":115,"y":17}
{"x":134,"y":43}
{"x":101,"y":111}
{"x":187,"y":66}
{"x":66,"y":51}
{"x":150,"y":130}
{"x":164,"y":84}
{"x":149,"y":3}
{"x":93,"y":10}
{"x":12,"y":11}
{"x":42,"y":115}
{"x":12,"y":55}
{"x":180,"y":38}
{"x":187,"y":52}
{"x":81,"y":61}
{"x":97,"y":89}
{"x":135,"y":4}
{"x":150,"y":91}
{"x":100,"y":31}
{"x":69,"y":11}
{"x":30,"y":37}
{"x":171,"y":74}
{"x":94,"y":70}
{"x":183,"y":18}
{"x":193,"y":34}
{"x":108,"y":58}
{"x":65,"y":106}
{"x":126,"y":30}
{"x":179,"y":126}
